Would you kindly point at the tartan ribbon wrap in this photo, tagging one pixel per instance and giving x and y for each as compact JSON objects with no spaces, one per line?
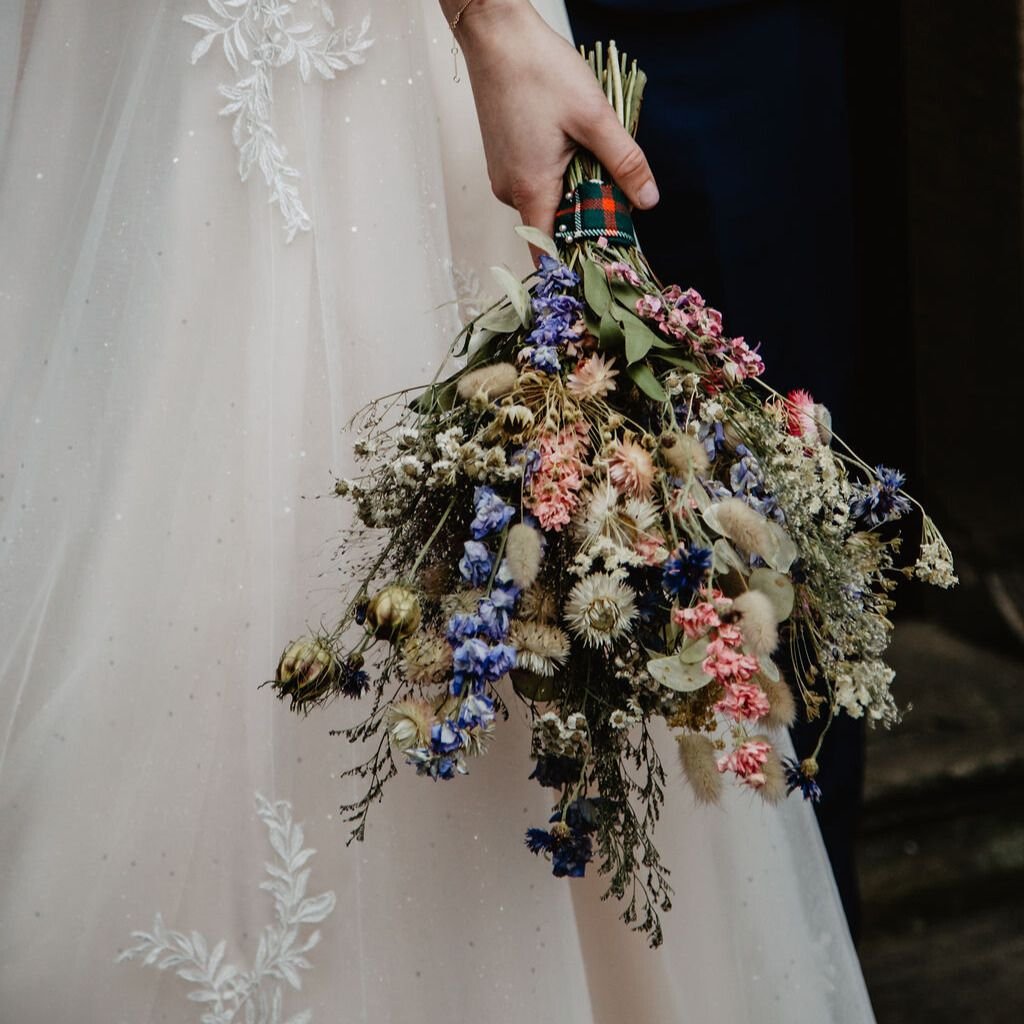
{"x":595,"y":210}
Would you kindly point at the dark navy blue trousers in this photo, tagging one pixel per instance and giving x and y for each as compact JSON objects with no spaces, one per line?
{"x":745,"y":125}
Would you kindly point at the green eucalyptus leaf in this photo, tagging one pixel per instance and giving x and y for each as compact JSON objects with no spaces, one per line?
{"x":516,"y":292}
{"x":637,"y":343}
{"x":595,"y":288}
{"x":671,"y":672}
{"x":643,"y":377}
{"x":502,"y":319}
{"x":538,"y":240}
{"x":610,"y":334}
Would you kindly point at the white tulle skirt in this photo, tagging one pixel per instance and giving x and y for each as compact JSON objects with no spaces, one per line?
{"x":174,"y":378}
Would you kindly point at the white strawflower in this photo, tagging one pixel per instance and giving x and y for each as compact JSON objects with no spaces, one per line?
{"x":600,"y":609}
{"x":408,"y":469}
{"x":409,"y":723}
{"x":427,"y":659}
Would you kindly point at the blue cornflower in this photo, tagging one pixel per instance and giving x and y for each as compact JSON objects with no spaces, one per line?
{"x":581,"y":815}
{"x":571,"y":856}
{"x":354,"y":681}
{"x":570,"y":852}
{"x":554,"y":276}
{"x":684,"y":572}
{"x":880,"y":502}
{"x":475,"y":565}
{"x":492,"y":513}
{"x":797,"y":778}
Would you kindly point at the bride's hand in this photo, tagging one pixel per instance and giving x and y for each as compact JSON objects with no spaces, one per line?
{"x":536,"y":101}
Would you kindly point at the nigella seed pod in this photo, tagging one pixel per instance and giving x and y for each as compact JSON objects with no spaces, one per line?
{"x":393,"y":613}
{"x":308,"y":673}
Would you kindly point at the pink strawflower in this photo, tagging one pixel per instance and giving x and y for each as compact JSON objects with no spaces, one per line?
{"x":744,"y":702}
{"x":593,"y":377}
{"x":631,"y":469}
{"x":746,"y":760}
{"x":651,"y":548}
{"x":697,"y":621}
{"x":800,"y":415}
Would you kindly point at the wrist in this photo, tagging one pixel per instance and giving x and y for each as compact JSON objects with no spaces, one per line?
{"x":481,"y":18}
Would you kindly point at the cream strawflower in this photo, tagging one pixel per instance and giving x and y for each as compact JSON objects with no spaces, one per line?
{"x":600,"y":609}
{"x":409,"y":723}
{"x":540,"y":648}
{"x":593,"y":377}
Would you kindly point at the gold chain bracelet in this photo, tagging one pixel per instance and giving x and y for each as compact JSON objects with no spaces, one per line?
{"x":453,"y":25}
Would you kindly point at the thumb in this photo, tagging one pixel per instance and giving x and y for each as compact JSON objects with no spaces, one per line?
{"x":617,"y":150}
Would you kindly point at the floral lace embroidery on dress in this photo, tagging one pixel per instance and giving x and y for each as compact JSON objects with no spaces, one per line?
{"x":257,"y":37}
{"x":227,"y":989}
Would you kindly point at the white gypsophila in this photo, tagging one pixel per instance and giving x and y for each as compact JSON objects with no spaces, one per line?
{"x":407,"y":436}
{"x":365,"y":447}
{"x":935,"y":564}
{"x":863,"y":688}
{"x":408,"y":470}
{"x":443,"y":473}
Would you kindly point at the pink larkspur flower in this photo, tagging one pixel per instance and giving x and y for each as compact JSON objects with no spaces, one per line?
{"x":727,"y":665}
{"x":697,"y":621}
{"x":746,"y":760}
{"x":554,"y":488}
{"x":623,"y":272}
{"x":744,"y":702}
{"x":650,"y":307}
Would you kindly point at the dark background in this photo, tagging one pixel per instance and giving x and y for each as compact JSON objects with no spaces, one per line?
{"x":935,"y":91}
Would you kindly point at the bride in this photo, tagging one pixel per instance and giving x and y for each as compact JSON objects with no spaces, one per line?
{"x":181,"y":343}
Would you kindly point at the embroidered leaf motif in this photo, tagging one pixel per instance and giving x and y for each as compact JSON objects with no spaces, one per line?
{"x":258,"y":37}
{"x":228,"y":992}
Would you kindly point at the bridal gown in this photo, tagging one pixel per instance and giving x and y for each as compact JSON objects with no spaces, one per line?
{"x":179,"y":353}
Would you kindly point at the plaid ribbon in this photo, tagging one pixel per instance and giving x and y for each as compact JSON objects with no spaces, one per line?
{"x":594,"y":210}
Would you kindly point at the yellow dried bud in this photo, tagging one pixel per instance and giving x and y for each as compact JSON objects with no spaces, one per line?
{"x":393,"y":613}
{"x":308,"y":673}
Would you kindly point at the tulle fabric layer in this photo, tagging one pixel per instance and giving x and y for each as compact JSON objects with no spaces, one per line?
{"x":175,"y":377}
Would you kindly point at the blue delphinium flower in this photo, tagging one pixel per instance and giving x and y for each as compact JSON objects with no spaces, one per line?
{"x":492,"y":513}
{"x":554,"y":276}
{"x":445,"y":737}
{"x":880,"y":501}
{"x":475,"y":565}
{"x":684,"y":571}
{"x":797,"y":778}
{"x":545,"y":358}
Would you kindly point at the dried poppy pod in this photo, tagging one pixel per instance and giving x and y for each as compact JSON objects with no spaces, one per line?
{"x":393,"y":613}
{"x":308,"y":673}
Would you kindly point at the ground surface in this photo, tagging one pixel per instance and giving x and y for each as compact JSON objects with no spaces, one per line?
{"x":942,"y":845}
